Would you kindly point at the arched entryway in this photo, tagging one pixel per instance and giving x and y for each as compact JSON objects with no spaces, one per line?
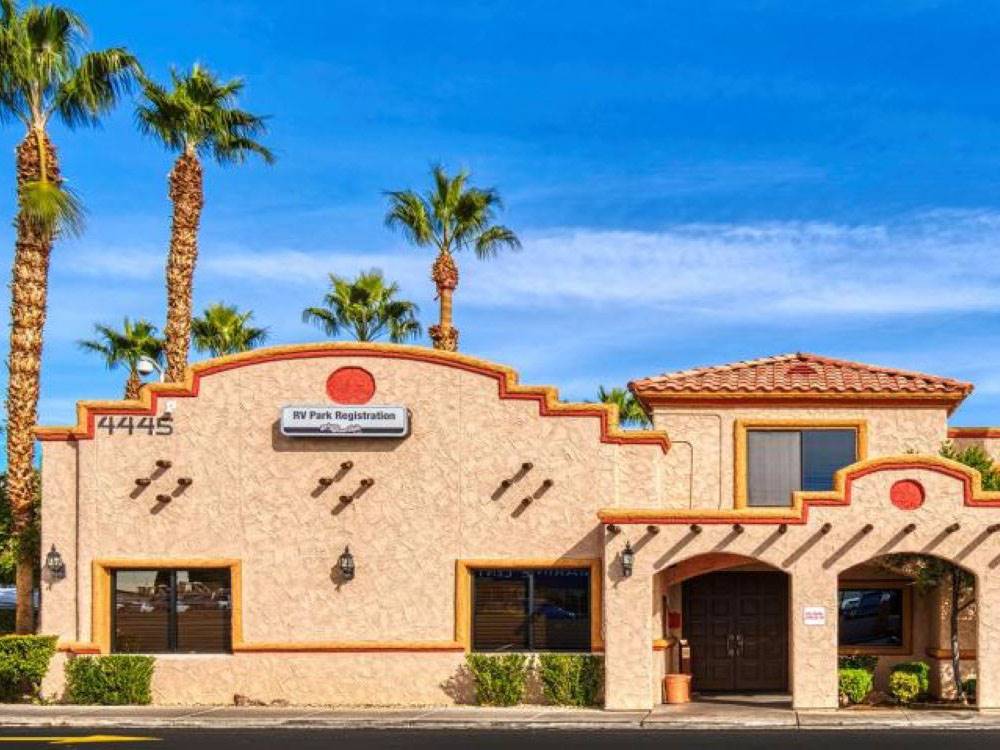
{"x":910,"y":607}
{"x":728,"y":615}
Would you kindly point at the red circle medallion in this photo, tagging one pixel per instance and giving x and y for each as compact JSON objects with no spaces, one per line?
{"x":350,"y":385}
{"x":907,"y":494}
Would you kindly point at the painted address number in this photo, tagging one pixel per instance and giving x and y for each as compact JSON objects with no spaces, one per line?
{"x":136,"y":426}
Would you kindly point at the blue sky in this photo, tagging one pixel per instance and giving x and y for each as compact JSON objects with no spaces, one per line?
{"x":694,"y":183}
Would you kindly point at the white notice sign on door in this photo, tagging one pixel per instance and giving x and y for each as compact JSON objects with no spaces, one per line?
{"x":814,"y":615}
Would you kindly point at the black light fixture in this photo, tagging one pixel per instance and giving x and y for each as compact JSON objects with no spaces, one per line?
{"x":346,"y":564}
{"x":628,"y":559}
{"x":54,"y":563}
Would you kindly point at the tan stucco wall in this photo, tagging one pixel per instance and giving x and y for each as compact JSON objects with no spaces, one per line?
{"x":256,"y":498}
{"x":436,"y":499}
{"x":707,"y":434}
{"x":814,"y":561}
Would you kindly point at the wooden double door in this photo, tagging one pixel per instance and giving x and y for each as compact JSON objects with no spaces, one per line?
{"x":736,"y":624}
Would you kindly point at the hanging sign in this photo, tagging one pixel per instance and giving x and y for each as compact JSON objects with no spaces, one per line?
{"x":814,"y":615}
{"x":345,"y":421}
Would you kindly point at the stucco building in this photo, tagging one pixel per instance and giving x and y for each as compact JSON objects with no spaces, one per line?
{"x":341,"y":523}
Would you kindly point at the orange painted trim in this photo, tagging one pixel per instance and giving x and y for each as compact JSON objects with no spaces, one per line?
{"x":546,"y":397}
{"x":973,"y":432}
{"x":101,"y":594}
{"x":797,"y":398}
{"x":463,"y":591}
{"x":798,"y":514}
{"x":75,"y":648}
{"x":965,"y":654}
{"x":741,"y":454}
{"x":349,"y":647}
{"x":662,"y":644}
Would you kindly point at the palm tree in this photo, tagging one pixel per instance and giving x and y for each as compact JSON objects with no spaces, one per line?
{"x":367,"y":307}
{"x":126,"y":347}
{"x":45,"y":74}
{"x":451,"y":217}
{"x":198,"y":116}
{"x":630,"y":411}
{"x":223,"y":329}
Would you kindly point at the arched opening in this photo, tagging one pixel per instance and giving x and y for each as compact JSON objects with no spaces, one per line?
{"x":725,"y":618}
{"x":900,"y":610}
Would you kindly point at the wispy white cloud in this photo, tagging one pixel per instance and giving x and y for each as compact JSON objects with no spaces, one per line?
{"x":937,"y":262}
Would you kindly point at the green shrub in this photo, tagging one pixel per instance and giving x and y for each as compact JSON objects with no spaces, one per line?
{"x":920,"y":669}
{"x":904,"y":686}
{"x":867,"y":662}
{"x":24,"y":660}
{"x":115,"y":680}
{"x":571,"y":679}
{"x":969,"y":686}
{"x":855,"y":683}
{"x":500,"y":680}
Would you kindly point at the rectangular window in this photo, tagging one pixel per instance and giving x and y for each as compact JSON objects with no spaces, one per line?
{"x":872,"y":617}
{"x":172,"y":611}
{"x":780,"y":462}
{"x":531,"y":610}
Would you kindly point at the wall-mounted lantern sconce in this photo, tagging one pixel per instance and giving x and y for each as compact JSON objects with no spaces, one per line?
{"x":345,"y":563}
{"x":628,"y":560}
{"x":54,"y":564}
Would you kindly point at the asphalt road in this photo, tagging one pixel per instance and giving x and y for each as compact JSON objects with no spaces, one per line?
{"x":373,"y":739}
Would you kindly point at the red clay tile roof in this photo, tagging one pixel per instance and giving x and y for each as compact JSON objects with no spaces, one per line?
{"x":800,"y":373}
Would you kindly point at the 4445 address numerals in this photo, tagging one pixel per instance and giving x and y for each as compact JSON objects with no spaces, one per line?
{"x":148,"y":426}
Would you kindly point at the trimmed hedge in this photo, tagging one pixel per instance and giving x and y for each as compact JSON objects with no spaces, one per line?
{"x":500,"y":680}
{"x":920,"y":669}
{"x":114,"y":680}
{"x":868,"y":662}
{"x":24,"y":660}
{"x":855,"y":683}
{"x":904,"y":686}
{"x":571,"y":679}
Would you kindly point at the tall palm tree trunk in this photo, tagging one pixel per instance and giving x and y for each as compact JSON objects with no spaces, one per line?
{"x":444,"y":273}
{"x":133,"y":384}
{"x":187,"y":196}
{"x":29,"y":291}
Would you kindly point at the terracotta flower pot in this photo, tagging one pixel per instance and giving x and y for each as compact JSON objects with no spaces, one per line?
{"x":677,"y":688}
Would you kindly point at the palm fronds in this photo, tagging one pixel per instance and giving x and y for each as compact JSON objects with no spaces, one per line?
{"x":367,"y":308}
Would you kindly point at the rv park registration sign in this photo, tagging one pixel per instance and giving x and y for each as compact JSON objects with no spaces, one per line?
{"x":345,"y":421}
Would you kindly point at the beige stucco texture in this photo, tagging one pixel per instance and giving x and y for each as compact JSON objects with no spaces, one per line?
{"x":814,"y":557}
{"x":454,"y":490}
{"x":255,"y":497}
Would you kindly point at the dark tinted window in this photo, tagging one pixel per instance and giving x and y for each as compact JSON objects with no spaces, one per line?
{"x":780,"y":462}
{"x":163,"y":611}
{"x":824,"y":452}
{"x":531,"y":610}
{"x":871,"y":617}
